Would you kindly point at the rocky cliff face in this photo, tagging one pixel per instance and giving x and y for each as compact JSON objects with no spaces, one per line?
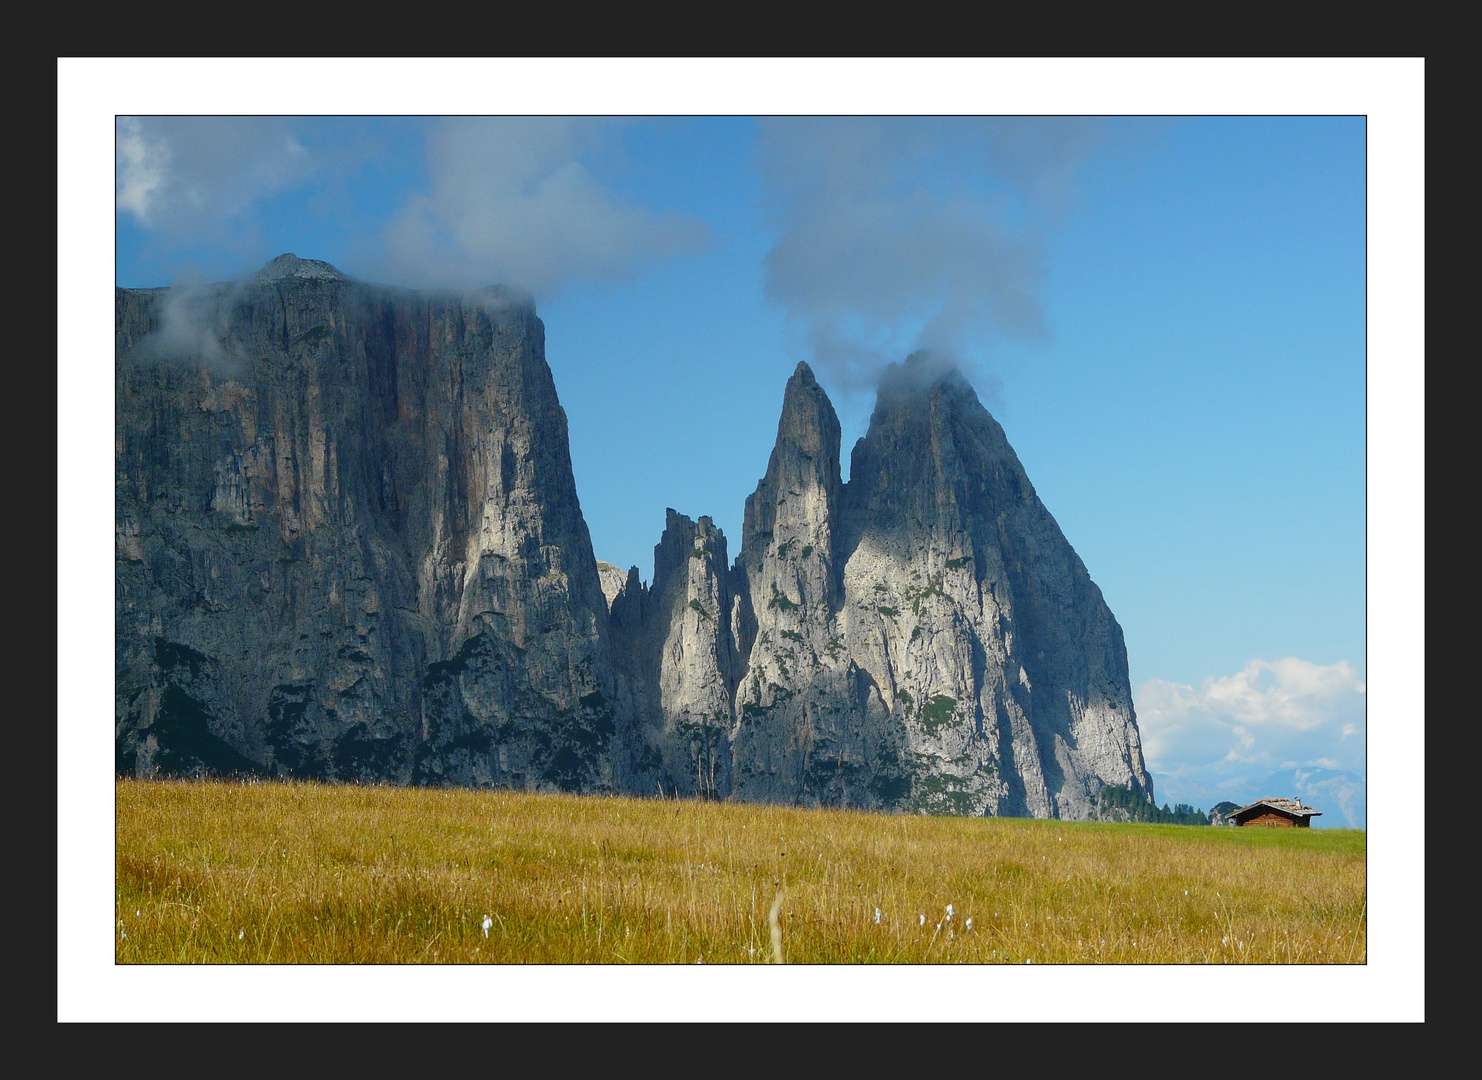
{"x":350,"y":547}
{"x":812,"y":724}
{"x":979,"y":622}
{"x":677,"y":663}
{"x":349,"y":543}
{"x":924,"y":637}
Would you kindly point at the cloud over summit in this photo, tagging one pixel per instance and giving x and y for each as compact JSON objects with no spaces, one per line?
{"x":896,"y":233}
{"x":458,"y":202}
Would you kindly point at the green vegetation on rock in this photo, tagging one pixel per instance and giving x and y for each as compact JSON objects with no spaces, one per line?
{"x":937,"y":712}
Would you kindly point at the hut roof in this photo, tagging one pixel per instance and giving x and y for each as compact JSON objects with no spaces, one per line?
{"x":1293,"y":807}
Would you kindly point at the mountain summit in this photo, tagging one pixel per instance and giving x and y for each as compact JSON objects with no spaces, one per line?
{"x":362,"y":557}
{"x":291,"y":266}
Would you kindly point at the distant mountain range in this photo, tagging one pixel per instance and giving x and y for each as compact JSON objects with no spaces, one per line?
{"x":1341,"y":796}
{"x":349,"y":547}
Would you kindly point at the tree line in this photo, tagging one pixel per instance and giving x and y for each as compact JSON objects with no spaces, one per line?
{"x":1139,"y":807}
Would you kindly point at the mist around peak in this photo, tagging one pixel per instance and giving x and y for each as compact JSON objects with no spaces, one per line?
{"x":899,"y":234}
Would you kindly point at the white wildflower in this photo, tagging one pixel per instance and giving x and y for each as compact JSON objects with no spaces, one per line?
{"x":969,"y":922}
{"x":877,"y":916}
{"x":241,"y":934}
{"x":939,"y":927}
{"x":922,"y":922}
{"x":487,"y":924}
{"x":949,"y":912}
{"x":1028,"y":961}
{"x":1225,"y":940}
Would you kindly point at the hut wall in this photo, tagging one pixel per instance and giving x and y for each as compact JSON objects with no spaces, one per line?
{"x":1271,"y":817}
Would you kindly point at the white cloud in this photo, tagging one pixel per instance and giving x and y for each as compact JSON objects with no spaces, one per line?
{"x":139,"y":167}
{"x":513,"y":201}
{"x":190,"y":175}
{"x":1231,"y":734}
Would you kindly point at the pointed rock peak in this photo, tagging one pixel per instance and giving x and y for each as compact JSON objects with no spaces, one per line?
{"x":804,"y":462}
{"x":291,"y":266}
{"x":808,"y":422}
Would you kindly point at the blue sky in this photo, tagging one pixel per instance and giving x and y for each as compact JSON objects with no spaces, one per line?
{"x":1171,"y":328}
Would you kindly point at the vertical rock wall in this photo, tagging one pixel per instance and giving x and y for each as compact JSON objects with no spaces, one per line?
{"x":349,"y":544}
{"x":349,"y":547}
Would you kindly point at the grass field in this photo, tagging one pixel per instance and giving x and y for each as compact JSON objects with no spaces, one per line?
{"x":304,"y":873}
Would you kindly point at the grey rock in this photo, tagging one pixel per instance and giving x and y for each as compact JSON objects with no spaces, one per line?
{"x":613,"y":580}
{"x":360,"y":557}
{"x":349,"y":547}
{"x":812,"y":725}
{"x":925,"y":638}
{"x":976,"y":617}
{"x":677,"y":661}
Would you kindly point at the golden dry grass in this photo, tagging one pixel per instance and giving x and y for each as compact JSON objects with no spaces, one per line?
{"x":304,"y":873}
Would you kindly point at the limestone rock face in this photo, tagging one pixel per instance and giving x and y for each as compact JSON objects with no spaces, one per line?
{"x":677,"y":660}
{"x":613,"y":581}
{"x":924,"y":637}
{"x":349,"y":547}
{"x":349,"y":543}
{"x":811,"y":724}
{"x":974,"y":615}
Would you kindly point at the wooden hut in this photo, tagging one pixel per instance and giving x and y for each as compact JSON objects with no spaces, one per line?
{"x":1283,"y":813}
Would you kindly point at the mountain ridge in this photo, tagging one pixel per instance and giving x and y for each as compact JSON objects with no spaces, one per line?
{"x":356,"y":552}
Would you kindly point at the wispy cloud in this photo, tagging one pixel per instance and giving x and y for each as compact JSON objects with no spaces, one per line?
{"x":193,"y":330}
{"x":460,"y":202}
{"x":897,"y":232}
{"x":195,"y":179}
{"x":514,"y":200}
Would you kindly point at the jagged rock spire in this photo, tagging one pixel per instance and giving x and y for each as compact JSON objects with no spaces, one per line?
{"x":795,"y":506}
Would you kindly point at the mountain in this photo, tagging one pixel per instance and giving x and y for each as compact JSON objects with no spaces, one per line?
{"x":349,"y":547}
{"x":923,"y":635}
{"x":1342,"y":796}
{"x":349,"y":542}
